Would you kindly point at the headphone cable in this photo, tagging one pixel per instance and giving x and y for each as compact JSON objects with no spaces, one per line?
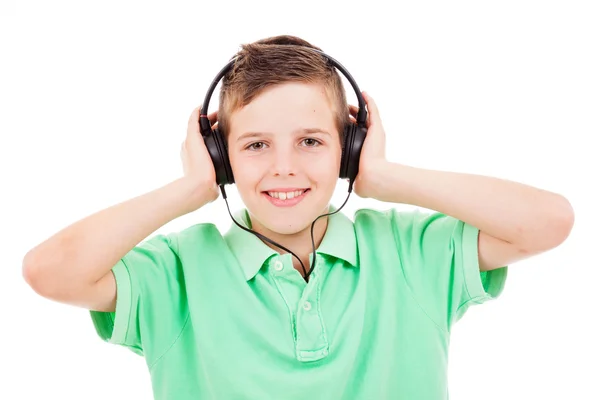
{"x":314,"y":252}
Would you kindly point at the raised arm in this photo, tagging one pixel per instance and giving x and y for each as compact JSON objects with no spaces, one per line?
{"x":74,"y":265}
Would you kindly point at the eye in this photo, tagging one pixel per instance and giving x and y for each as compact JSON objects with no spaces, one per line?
{"x":255,"y":146}
{"x":311,"y":142}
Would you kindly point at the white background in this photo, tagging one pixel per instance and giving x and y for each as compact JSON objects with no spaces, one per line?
{"x":95,"y":98}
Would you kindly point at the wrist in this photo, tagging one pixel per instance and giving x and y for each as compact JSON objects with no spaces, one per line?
{"x":375,"y":180}
{"x":193,"y":194}
{"x":388,"y":182}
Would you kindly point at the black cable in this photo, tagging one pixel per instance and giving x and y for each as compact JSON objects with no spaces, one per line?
{"x":311,"y":232}
{"x":306,"y":275}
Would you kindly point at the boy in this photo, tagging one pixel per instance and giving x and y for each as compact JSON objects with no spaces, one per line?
{"x":234,"y":317}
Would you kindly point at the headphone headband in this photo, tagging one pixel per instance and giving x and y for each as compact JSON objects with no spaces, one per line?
{"x":361,"y":117}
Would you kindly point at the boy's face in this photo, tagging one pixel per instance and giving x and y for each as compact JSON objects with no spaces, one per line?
{"x":285,"y":145}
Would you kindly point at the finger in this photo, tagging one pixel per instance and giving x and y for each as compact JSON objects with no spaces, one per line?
{"x":194,"y":121}
{"x":353,"y":110}
{"x":372,"y":109}
{"x":195,"y":115}
{"x":212,"y":117}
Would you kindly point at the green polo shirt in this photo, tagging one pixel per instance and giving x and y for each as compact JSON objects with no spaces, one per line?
{"x":226,"y":317}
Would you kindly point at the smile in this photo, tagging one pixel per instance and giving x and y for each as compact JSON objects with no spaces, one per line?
{"x":286,"y":198}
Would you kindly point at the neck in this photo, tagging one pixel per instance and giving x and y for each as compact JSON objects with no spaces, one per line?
{"x":299,"y":243}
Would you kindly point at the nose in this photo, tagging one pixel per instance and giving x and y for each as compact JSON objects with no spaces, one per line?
{"x":285,"y":161}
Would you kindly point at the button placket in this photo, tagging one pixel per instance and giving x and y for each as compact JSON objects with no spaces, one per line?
{"x":278,"y":265}
{"x":311,"y":344}
{"x":287,"y":282}
{"x":307,"y":306}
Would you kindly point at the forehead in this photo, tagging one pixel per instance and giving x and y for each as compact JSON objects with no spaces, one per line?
{"x":285,"y":107}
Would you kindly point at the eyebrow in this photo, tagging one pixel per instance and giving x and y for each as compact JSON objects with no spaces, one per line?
{"x":303,"y":130}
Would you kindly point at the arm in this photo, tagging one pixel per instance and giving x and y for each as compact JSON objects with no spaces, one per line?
{"x":515,"y":220}
{"x":74,"y":266}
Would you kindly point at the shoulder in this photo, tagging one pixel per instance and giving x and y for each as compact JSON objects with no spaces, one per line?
{"x":175,"y":242}
{"x":410,"y":226}
{"x":413,"y":218}
{"x":198,"y":233}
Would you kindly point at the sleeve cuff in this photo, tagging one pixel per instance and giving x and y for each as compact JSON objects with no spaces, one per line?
{"x":481,"y":286}
{"x":112,"y":326}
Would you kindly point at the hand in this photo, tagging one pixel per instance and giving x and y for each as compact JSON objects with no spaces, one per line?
{"x":198,"y":168}
{"x":372,"y":155}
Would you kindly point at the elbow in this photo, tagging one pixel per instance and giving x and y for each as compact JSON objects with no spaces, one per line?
{"x":559,"y":221}
{"x":37,"y":274}
{"x":30,"y":271}
{"x":49,"y":272}
{"x":565,"y":219}
{"x":551,"y":225}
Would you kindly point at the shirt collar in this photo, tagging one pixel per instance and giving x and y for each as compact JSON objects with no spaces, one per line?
{"x":252,"y":253}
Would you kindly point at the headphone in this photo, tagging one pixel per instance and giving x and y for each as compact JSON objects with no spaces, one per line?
{"x":353,"y":137}
{"x":352,"y":142}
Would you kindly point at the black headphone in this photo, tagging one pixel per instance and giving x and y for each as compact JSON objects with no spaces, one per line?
{"x":353,"y":137}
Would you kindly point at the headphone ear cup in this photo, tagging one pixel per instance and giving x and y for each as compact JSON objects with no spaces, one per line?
{"x":222,"y":146}
{"x":346,"y":138}
{"x":354,"y":137}
{"x":217,"y":149}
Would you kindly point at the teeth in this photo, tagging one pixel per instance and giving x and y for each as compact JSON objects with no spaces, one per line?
{"x":285,"y":195}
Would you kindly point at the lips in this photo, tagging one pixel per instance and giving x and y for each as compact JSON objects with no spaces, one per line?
{"x":285,"y":194}
{"x":285,"y":198}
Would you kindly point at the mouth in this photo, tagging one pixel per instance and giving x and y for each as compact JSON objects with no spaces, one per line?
{"x":285,"y":198}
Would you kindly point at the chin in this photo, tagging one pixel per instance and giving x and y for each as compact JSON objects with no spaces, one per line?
{"x":291,"y":228}
{"x":285,"y":222}
{"x":287,"y":219}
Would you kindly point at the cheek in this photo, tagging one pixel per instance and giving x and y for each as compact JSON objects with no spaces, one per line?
{"x":247,"y":172}
{"x":325,"y":169}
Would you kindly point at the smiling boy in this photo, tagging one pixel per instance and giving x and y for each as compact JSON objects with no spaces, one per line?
{"x":230,"y":316}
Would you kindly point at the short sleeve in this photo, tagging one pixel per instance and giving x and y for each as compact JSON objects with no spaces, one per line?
{"x":150,"y":308}
{"x":440,"y":261}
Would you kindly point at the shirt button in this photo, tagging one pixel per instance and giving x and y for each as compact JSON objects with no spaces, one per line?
{"x":307,"y":305}
{"x":278,"y":265}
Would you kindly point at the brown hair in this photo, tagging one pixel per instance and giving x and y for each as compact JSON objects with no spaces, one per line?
{"x":276,"y":60}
